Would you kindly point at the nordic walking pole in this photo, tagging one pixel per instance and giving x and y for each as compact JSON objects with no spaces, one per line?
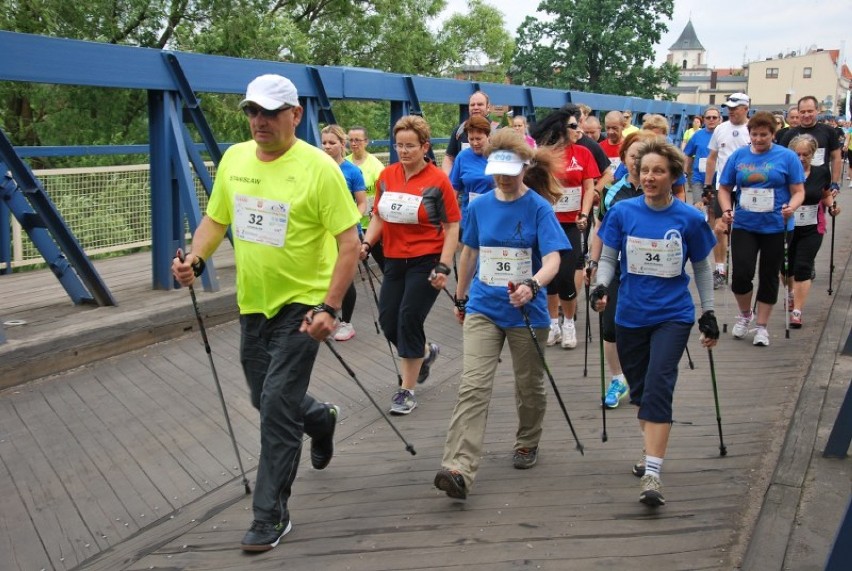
{"x":372,"y":311}
{"x":831,"y":263}
{"x":547,"y":370}
{"x":201,"y":328}
{"x":723,"y":450}
{"x":376,"y":299}
{"x":408,"y":446}
{"x":588,"y":326}
{"x":604,"y":436}
{"x":689,"y":358}
{"x":786,"y":287}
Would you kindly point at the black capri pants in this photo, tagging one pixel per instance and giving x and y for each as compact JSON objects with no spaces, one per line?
{"x":803,"y":250}
{"x":406,"y":298}
{"x":570,"y":261}
{"x":745,"y":247}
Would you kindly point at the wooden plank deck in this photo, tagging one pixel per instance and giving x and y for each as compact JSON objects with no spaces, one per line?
{"x":126,"y":463}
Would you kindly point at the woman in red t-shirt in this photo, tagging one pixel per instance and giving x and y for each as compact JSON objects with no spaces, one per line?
{"x":416,"y":217}
{"x":573,"y":211}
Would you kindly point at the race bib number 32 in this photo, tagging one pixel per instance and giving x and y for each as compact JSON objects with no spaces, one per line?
{"x":260,"y":220}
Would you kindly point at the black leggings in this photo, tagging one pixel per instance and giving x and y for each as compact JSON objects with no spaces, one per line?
{"x":349,"y":303}
{"x":803,"y":250}
{"x":608,"y":322}
{"x":570,"y":261}
{"x":745,"y":247}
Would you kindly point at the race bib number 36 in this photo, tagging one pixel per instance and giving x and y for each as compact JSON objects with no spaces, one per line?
{"x":260,"y":220}
{"x":651,"y":257}
{"x":499,"y":266}
{"x":399,"y":207}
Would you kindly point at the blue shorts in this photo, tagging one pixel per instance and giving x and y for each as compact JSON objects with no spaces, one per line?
{"x":649,"y":358}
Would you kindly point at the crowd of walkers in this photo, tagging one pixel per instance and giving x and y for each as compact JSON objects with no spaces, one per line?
{"x":513,"y":225}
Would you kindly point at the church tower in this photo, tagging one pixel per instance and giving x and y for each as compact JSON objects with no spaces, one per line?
{"x":687,"y":53}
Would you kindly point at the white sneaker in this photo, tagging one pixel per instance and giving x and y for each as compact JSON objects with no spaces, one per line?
{"x":344,"y":331}
{"x":741,"y":326}
{"x":761,"y":337}
{"x":569,"y":334}
{"x":555,"y":335}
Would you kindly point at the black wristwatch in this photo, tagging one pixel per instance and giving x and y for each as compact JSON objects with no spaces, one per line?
{"x":198,"y":266}
{"x":326,"y":308}
{"x":593,"y":264}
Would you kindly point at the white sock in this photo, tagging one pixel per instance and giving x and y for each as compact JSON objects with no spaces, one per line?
{"x":653,"y":465}
{"x":720,"y":268}
{"x":554,"y":321}
{"x":620,"y":377}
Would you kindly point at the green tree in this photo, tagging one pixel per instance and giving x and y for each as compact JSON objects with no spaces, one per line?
{"x":598,"y":46}
{"x":389,"y":35}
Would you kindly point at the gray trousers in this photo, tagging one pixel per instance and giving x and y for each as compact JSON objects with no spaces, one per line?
{"x":277,"y":361}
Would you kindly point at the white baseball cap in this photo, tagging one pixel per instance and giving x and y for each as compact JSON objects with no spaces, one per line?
{"x":737,"y":99}
{"x":504,"y":162}
{"x":271,"y":91}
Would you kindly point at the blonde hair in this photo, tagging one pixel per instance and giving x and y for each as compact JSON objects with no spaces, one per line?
{"x":654,"y":121}
{"x":337,"y":131}
{"x":416,"y":124}
{"x":545,"y":163}
{"x":804,"y":139}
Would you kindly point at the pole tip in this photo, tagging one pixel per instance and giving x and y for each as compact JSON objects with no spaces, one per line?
{"x":410,"y":449}
{"x":604,"y":437}
{"x":724,"y":328}
{"x":248,"y":489}
{"x":581,"y":449}
{"x":723,"y":451}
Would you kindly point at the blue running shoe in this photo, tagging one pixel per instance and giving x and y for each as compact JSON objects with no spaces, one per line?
{"x":617,"y":391}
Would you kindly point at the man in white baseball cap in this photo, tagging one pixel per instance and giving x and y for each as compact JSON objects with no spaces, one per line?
{"x":296,"y":250}
{"x":727,"y":138}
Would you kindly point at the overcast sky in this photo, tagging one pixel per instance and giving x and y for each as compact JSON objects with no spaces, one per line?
{"x":754,"y":28}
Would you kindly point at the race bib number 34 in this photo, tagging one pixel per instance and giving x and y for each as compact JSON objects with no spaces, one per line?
{"x":499,"y":266}
{"x":260,"y":220}
{"x":651,"y":257}
{"x":399,"y":207}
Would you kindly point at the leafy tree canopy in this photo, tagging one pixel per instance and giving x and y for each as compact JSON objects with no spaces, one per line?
{"x":600,"y":46}
{"x":389,"y":35}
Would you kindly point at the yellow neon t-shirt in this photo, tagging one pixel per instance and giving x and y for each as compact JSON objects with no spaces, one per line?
{"x":284,"y":215}
{"x":371,"y":169}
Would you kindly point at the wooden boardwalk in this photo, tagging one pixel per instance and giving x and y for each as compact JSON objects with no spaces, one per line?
{"x":125,"y":463}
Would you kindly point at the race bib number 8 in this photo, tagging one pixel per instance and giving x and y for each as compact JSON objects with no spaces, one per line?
{"x":651,"y":257}
{"x":260,"y":220}
{"x":399,"y":207}
{"x":499,"y":266}
{"x":757,"y":199}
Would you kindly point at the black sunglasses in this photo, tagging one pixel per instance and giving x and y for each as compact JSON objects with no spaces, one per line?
{"x":573,"y":126}
{"x":253,"y":111}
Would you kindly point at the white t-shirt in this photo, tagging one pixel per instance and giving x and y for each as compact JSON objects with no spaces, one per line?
{"x":726,"y":139}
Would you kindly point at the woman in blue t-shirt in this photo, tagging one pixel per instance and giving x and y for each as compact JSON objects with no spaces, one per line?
{"x":511,"y":236}
{"x":769,"y":180}
{"x":651,"y":237}
{"x":468,"y":174}
{"x":334,"y":145}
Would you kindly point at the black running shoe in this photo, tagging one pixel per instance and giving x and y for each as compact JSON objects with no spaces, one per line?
{"x":322,"y":447}
{"x":452,"y":483}
{"x":263,"y":535}
{"x":434,"y":351}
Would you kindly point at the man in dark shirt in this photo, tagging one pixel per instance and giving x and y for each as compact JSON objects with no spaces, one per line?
{"x":828,"y":146}
{"x":478,"y":104}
